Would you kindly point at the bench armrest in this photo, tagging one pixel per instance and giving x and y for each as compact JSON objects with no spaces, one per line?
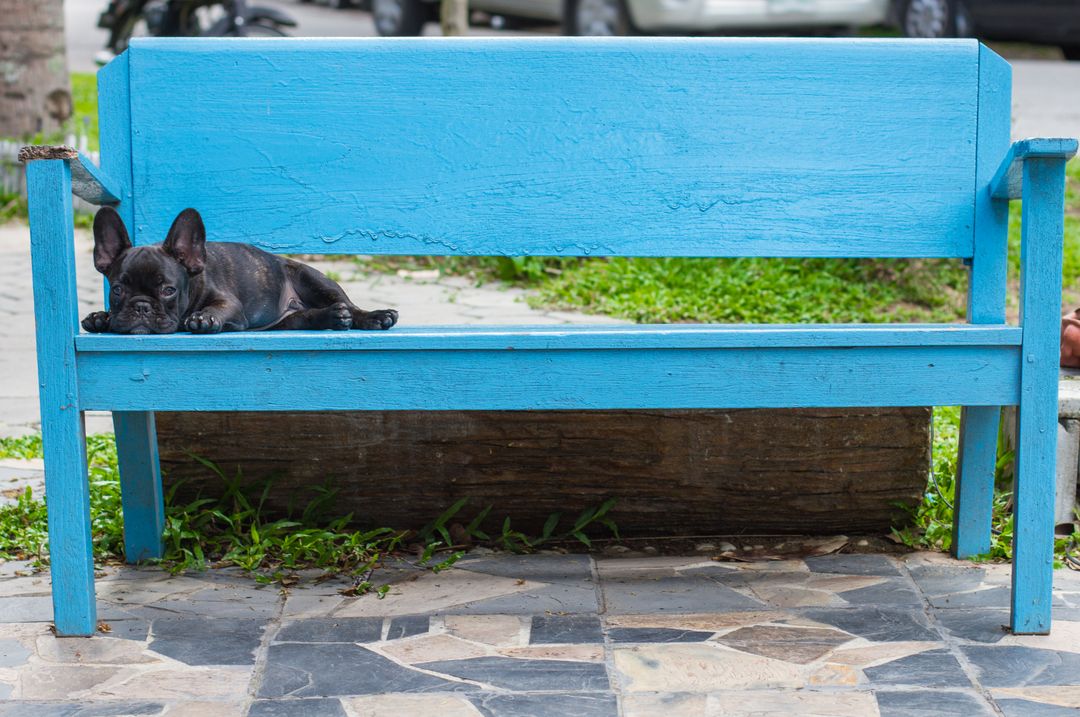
{"x":88,"y":182}
{"x":1008,"y":181}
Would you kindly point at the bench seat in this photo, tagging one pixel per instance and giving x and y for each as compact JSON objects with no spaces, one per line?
{"x":564,"y":367}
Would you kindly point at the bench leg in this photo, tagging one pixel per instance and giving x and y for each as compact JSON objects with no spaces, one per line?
{"x":974,"y":494}
{"x":140,"y":484}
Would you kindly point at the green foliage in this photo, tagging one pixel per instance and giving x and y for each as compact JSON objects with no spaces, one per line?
{"x":84,"y":119}
{"x":21,"y":448}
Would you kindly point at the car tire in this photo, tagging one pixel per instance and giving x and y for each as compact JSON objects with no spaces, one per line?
{"x":597,"y":17}
{"x":400,"y":18}
{"x":932,"y":18}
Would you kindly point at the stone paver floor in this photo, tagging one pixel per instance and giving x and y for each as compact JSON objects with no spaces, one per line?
{"x":550,"y":634}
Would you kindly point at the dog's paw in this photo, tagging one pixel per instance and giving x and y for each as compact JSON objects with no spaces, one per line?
{"x":97,"y":322}
{"x":203,"y":322}
{"x":339,"y":317}
{"x":377,"y":320}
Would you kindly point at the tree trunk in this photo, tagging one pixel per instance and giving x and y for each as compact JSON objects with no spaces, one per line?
{"x":35,"y":95}
{"x":454,"y":17}
{"x":800,"y":471}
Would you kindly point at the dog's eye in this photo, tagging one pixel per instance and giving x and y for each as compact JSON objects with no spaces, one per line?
{"x":117,"y":289}
{"x":168,"y":291}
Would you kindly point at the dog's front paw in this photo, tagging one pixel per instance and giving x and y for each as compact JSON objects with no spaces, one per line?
{"x":377,"y":320}
{"x":203,"y":322}
{"x":339,"y":317}
{"x":97,"y":322}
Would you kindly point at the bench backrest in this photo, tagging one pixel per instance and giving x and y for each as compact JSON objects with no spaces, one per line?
{"x":669,"y":147}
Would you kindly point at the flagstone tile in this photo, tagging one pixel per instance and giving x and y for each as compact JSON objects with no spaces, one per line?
{"x":931,"y":703}
{"x":683,"y":667}
{"x":1013,"y":666}
{"x":709,"y":622}
{"x":1063,"y":637}
{"x":842,"y":583}
{"x":6,"y":690}
{"x":892,"y":592}
{"x":975,"y":624}
{"x":433,"y":647}
{"x":407,"y":626}
{"x":194,"y":641}
{"x":391,"y":705}
{"x":668,"y":704}
{"x":60,"y":682}
{"x":1062,"y":696}
{"x":84,"y":709}
{"x":877,"y":624}
{"x":660,"y":566}
{"x":499,"y":630}
{"x":525,"y":675}
{"x":25,"y":586}
{"x":656,"y":634}
{"x":338,"y":669}
{"x":206,"y":709}
{"x":582,"y":653}
{"x":693,"y":594}
{"x":558,"y":629}
{"x":331,"y":629}
{"x":789,"y":596}
{"x":299,"y":605}
{"x":435,"y":592}
{"x":227,"y":683}
{"x":836,"y":675}
{"x":541,"y":568}
{"x":558,"y":598}
{"x":1027,"y":708}
{"x":878,"y":653}
{"x":785,"y":703}
{"x":32,"y":608}
{"x":550,"y":705}
{"x":853,"y":564}
{"x":136,"y":630}
{"x":933,"y":668}
{"x":317,"y":707}
{"x":954,"y":577}
{"x":100,"y":649}
{"x":12,"y":652}
{"x":800,"y":645}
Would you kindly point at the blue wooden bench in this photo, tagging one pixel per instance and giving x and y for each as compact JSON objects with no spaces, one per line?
{"x":659,"y":147}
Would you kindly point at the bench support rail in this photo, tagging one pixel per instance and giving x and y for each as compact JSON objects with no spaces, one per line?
{"x":67,"y":490}
{"x":1042,"y":228}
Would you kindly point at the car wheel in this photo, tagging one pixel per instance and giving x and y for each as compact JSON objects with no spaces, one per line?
{"x":598,"y":17}
{"x":399,"y":18}
{"x":929,"y":18}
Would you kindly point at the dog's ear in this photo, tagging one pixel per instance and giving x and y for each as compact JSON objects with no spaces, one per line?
{"x":186,"y":241}
{"x":110,"y":238}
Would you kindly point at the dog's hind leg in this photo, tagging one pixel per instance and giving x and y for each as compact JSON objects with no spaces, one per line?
{"x":325,"y":302}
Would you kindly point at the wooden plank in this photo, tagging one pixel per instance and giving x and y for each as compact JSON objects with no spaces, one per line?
{"x":672,"y":472}
{"x":67,"y":491}
{"x":1040,"y":304}
{"x":540,"y":379}
{"x":640,"y":336}
{"x":664,"y":147}
{"x":91,"y":184}
{"x":114,"y":133}
{"x":140,"y":485}
{"x":1008,"y":181}
{"x":974,"y":493}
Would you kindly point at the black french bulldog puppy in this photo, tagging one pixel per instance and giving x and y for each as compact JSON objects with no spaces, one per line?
{"x":186,"y":283}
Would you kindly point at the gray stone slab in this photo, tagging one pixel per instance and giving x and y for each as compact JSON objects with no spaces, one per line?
{"x":20,"y":708}
{"x":975,"y":624}
{"x":318,"y":707}
{"x":407,"y":626}
{"x":656,"y":634}
{"x":331,"y":629}
{"x":947,"y":579}
{"x":935,"y":668}
{"x":5,"y":690}
{"x":35,"y":608}
{"x":544,"y":568}
{"x":555,"y":598}
{"x":684,"y":594}
{"x":525,"y":675}
{"x":856,"y":564}
{"x":193,"y":641}
{"x":558,"y":629}
{"x":338,"y":669}
{"x":1012,"y":666}
{"x":582,"y":705}
{"x":931,"y":703}
{"x":12,"y":653}
{"x":891,"y":592}
{"x":877,"y":624}
{"x":1027,"y":708}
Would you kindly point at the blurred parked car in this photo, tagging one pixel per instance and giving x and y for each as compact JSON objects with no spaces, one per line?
{"x":1051,"y":22}
{"x":660,"y":17}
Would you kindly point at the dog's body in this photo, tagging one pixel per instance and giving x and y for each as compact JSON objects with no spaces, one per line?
{"x":187,"y":283}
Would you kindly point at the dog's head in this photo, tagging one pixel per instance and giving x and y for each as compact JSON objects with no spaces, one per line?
{"x":149,"y":286}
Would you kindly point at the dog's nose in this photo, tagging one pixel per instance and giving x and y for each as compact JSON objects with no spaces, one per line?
{"x":142,"y":307}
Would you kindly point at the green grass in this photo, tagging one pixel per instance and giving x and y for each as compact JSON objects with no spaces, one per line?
{"x":234,"y":530}
{"x":85,"y":115}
